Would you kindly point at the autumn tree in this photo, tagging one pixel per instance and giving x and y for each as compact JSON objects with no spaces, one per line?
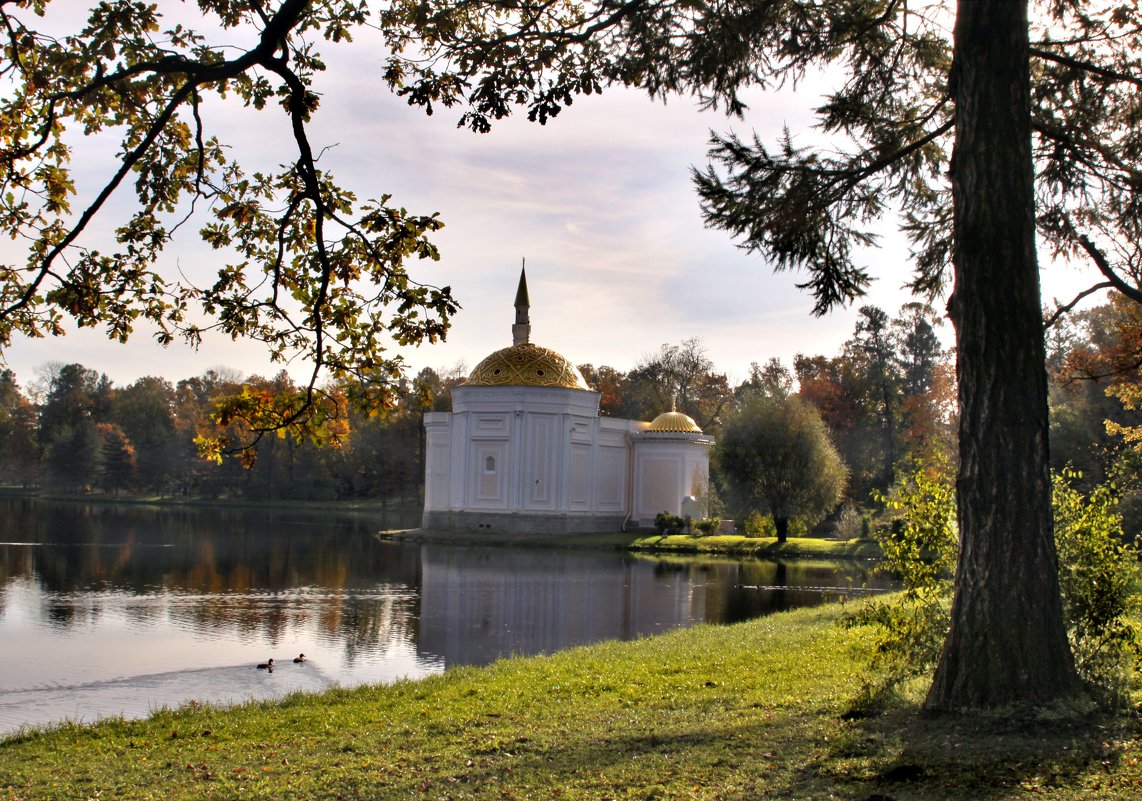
{"x":19,"y":450}
{"x":927,"y":382}
{"x":773,"y":380}
{"x":144,"y":412}
{"x":302,"y":264}
{"x":1093,"y":352}
{"x":117,"y":459}
{"x":907,"y":96}
{"x":678,"y":377}
{"x":611,"y":386}
{"x":838,"y":390}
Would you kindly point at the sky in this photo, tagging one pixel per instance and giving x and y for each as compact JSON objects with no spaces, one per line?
{"x":599,"y":202}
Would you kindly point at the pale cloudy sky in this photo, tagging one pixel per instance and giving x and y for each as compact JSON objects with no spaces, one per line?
{"x":599,"y":202}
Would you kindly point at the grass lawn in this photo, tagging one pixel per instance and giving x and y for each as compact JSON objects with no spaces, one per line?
{"x":737,"y":545}
{"x":725,"y":544}
{"x":750,"y":711}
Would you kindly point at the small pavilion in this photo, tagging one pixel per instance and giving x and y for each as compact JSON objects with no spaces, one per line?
{"x":525,"y":452}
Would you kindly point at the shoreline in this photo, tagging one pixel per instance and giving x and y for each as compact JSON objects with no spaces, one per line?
{"x":764,"y":709}
{"x":642,"y":542}
{"x":730,"y":545}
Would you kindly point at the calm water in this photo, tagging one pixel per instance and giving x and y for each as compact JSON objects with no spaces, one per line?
{"x":117,"y":610}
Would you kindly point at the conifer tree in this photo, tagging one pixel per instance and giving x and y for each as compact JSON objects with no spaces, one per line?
{"x":948,"y":130}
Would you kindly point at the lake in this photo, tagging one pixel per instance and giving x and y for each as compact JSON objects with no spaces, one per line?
{"x":115,"y":609}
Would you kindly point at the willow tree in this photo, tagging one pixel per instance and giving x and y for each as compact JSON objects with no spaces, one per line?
{"x":304,"y":266}
{"x":776,"y":455}
{"x":985,"y":139}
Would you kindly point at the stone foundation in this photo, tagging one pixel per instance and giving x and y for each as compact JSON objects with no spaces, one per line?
{"x":522,"y":524}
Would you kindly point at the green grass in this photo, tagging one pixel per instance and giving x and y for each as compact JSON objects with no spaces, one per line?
{"x":725,"y":544}
{"x":738,"y":545}
{"x":751,"y":711}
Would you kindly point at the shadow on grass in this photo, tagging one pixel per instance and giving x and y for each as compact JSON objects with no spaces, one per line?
{"x":763,"y":754}
{"x":953,"y":757}
{"x":721,"y":748}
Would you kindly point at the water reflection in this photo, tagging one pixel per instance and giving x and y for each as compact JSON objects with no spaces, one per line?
{"x":107,"y":610}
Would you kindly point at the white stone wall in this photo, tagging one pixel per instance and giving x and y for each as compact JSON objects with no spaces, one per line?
{"x":530,"y":458}
{"x":667,"y":468}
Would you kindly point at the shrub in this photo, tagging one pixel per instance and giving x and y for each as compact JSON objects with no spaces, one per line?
{"x":758,"y":525}
{"x":708,"y":526}
{"x":850,"y":523}
{"x":1098,"y":577}
{"x":754,"y":525}
{"x":668,"y":523}
{"x":920,"y":549}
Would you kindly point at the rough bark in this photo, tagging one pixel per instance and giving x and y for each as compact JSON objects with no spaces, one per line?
{"x":781,"y":524}
{"x":1007,"y":645}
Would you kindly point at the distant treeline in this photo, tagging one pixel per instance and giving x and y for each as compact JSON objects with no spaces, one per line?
{"x":75,"y":431}
{"x":888,"y":396}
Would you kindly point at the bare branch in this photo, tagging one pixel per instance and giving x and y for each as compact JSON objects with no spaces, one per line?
{"x":1063,"y":309}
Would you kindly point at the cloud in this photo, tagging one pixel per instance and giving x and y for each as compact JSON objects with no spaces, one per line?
{"x":599,"y":201}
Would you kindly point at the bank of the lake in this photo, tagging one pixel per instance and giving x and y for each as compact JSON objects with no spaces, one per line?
{"x":734,"y":545}
{"x":753,"y":710}
{"x":349,"y":505}
{"x":123,"y":608}
{"x":762,"y":547}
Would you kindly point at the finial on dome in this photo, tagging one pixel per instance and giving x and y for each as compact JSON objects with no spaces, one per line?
{"x":521,"y":331}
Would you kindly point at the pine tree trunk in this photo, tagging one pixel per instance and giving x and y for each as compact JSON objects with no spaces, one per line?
{"x":1007,"y":644}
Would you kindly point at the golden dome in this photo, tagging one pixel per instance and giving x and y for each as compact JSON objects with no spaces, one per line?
{"x":526,"y":365}
{"x":676,"y":423}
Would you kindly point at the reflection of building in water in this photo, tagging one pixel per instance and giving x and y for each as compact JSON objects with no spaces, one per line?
{"x":479,"y":604}
{"x":525,"y":451}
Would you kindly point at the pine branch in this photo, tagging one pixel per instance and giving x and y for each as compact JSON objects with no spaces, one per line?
{"x":1086,"y":66}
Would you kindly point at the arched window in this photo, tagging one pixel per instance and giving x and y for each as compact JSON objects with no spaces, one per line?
{"x":490,"y":464}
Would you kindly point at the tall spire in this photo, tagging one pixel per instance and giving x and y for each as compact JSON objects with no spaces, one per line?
{"x":521,"y":331}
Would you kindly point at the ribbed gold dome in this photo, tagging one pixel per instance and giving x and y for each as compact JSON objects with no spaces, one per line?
{"x":675,"y":422}
{"x":526,"y":365}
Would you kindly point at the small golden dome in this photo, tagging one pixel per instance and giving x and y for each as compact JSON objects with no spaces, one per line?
{"x":676,"y":423}
{"x":526,"y":365}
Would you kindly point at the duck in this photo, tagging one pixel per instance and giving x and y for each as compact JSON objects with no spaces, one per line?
{"x":268,"y":665}
{"x":299,"y":659}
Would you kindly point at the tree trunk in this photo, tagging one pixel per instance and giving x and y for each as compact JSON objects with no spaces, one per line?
{"x":1007,"y":645}
{"x":782,"y":526}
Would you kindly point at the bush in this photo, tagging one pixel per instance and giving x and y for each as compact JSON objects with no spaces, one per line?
{"x":920,"y":548}
{"x":1098,"y":577}
{"x":758,"y":525}
{"x":708,"y":526}
{"x":668,"y":523}
{"x":850,"y":524}
{"x":754,"y":525}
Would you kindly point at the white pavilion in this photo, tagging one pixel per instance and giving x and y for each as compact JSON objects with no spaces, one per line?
{"x":525,"y":452}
